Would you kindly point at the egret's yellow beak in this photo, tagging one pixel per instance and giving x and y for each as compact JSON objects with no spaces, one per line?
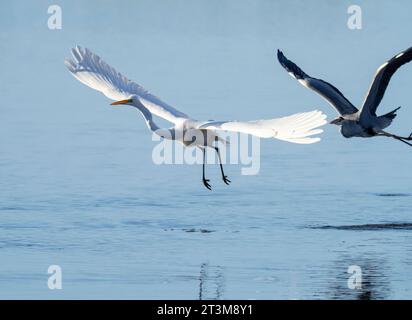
{"x":121,"y":102}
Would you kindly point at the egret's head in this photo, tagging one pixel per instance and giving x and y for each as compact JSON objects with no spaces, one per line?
{"x":337,"y":121}
{"x":128,"y":101}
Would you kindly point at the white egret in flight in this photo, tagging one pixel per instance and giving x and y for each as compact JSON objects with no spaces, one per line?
{"x":353,"y":122}
{"x":91,"y":70}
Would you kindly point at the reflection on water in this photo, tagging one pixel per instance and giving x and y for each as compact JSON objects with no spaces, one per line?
{"x":369,"y":226}
{"x":79,"y":188}
{"x":211,"y":282}
{"x":393,"y":194}
{"x":375,"y":281}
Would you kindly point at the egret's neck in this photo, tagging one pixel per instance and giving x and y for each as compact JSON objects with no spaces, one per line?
{"x":162,"y":132}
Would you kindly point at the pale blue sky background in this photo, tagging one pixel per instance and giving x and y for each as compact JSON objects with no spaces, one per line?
{"x":78,"y":187}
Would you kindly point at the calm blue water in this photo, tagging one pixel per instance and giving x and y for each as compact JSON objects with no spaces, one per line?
{"x":78,"y":187}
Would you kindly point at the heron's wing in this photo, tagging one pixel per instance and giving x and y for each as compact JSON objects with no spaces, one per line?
{"x":91,"y":70}
{"x":380,"y":82}
{"x":296,"y":128}
{"x":326,"y":90}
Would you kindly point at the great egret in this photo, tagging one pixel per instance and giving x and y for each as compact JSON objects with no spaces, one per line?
{"x":91,"y":70}
{"x":353,"y":122}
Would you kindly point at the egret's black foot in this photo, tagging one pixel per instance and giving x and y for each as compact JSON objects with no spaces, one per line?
{"x":226,"y":180}
{"x":206,"y":183}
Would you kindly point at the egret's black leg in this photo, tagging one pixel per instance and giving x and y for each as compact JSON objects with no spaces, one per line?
{"x":205,"y":181}
{"x":224,"y":177}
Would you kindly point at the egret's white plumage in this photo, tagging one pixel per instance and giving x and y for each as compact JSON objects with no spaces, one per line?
{"x":91,"y":70}
{"x":296,"y":128}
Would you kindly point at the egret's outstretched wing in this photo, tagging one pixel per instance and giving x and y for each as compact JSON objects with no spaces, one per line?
{"x":91,"y":70}
{"x":323,"y":88}
{"x":296,"y":128}
{"x":380,"y":82}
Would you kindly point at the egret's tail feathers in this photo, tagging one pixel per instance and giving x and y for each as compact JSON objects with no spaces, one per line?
{"x":298,"y":128}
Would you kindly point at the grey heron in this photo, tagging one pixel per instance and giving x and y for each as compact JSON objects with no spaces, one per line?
{"x":356,"y":122}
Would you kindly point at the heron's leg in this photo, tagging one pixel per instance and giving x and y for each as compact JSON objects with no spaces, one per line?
{"x":395,"y":136}
{"x":205,"y":181}
{"x":224,"y":177}
{"x":402,"y":139}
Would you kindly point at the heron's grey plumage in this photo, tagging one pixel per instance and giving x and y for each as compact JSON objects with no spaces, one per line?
{"x":354,"y":122}
{"x":381,"y":80}
{"x":323,"y":88}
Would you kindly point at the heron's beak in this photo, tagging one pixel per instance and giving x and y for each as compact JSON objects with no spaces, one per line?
{"x":121,"y":102}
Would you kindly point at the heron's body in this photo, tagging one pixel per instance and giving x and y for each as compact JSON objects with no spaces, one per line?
{"x":91,"y":70}
{"x":353,"y":126}
{"x":354,"y":122}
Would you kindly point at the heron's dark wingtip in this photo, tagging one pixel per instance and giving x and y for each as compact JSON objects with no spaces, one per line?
{"x":280,"y":54}
{"x":281,"y":57}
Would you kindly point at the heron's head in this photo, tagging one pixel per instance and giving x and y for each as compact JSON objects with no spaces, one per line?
{"x":128,"y":101}
{"x":337,"y":121}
